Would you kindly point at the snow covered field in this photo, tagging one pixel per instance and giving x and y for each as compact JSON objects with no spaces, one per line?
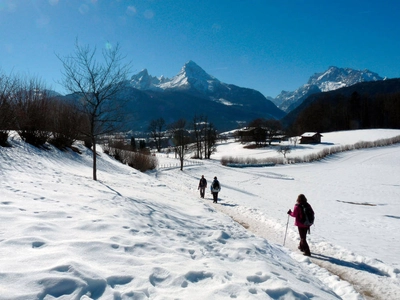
{"x":150,"y":236}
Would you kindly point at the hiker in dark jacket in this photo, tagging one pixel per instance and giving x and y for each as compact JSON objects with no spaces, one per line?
{"x":202,"y":186}
{"x":303,"y":229}
{"x":215,"y":188}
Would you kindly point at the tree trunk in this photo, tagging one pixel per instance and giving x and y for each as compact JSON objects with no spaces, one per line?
{"x":94,"y":159}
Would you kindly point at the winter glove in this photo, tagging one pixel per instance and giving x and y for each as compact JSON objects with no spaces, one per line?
{"x":289,"y":211}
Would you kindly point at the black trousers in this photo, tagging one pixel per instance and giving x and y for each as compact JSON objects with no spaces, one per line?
{"x":303,"y":240}
{"x":202,"y":190}
{"x":215,"y":197}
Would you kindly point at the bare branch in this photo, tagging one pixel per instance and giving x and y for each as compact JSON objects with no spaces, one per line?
{"x":97,"y":84}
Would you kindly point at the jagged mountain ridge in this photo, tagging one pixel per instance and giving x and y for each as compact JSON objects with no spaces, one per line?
{"x":194,"y":80}
{"x":191,"y":76}
{"x":144,"y":81}
{"x":332,"y":79}
{"x":194,"y":92}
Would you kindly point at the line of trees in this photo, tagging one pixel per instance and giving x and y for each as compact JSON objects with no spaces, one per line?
{"x":205,"y":136}
{"x":357,"y":111}
{"x":198,"y":137}
{"x":27,"y":107}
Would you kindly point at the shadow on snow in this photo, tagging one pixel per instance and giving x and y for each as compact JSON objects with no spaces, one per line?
{"x":357,"y":266}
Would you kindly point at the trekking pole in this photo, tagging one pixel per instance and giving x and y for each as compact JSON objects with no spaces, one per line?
{"x":287,"y":223}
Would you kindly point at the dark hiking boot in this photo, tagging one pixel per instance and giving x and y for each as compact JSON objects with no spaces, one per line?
{"x":306,"y":254}
{"x":300,"y":249}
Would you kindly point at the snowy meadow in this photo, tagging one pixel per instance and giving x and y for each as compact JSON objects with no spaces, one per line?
{"x":133,"y":235}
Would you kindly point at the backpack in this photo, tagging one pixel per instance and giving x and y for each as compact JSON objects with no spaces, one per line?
{"x":215,"y":185}
{"x":306,"y":214}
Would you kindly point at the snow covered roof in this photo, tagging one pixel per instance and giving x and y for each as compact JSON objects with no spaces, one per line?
{"x":310,"y":134}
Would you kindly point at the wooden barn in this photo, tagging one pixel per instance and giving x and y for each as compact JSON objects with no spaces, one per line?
{"x":251,"y":134}
{"x":310,"y":138}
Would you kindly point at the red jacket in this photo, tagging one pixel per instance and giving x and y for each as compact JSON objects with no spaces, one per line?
{"x":296,"y":213}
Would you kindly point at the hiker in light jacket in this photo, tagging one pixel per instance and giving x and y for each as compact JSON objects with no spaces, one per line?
{"x":215,"y":188}
{"x":303,"y":229}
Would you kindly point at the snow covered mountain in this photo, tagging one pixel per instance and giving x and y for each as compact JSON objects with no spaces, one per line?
{"x":144,"y":81}
{"x":192,"y":79}
{"x":194,"y":92}
{"x":191,"y":76}
{"x":332,"y":79}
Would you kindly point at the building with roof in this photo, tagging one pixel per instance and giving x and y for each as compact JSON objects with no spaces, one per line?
{"x":310,"y":138}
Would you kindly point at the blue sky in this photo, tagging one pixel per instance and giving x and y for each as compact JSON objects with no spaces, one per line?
{"x":266,"y":45}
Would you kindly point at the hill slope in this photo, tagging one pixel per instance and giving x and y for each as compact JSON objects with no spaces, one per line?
{"x":127,"y":236}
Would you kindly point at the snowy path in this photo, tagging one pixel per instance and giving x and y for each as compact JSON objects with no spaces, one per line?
{"x":371,"y":283}
{"x":355,"y":195}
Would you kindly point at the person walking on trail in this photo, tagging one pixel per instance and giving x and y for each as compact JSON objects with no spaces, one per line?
{"x":304,"y":217}
{"x":202,"y":186}
{"x":215,"y":188}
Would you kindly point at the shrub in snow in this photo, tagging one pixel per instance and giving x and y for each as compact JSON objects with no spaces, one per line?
{"x":142,"y":162}
{"x":236,"y":161}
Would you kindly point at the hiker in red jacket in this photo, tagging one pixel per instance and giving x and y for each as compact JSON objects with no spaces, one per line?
{"x":298,"y":214}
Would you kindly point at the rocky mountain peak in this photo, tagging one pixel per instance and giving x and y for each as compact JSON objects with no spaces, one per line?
{"x":144,"y":81}
{"x":332,"y":79}
{"x":193,"y":70}
{"x":191,"y":76}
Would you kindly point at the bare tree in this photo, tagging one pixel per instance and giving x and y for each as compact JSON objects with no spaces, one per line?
{"x":181,"y":139}
{"x":199,"y":125}
{"x":205,"y":137}
{"x":294,"y":140}
{"x":210,"y":140}
{"x":284,"y":150}
{"x":156,"y":128}
{"x":97,"y":83}
{"x":8,"y":86}
{"x":32,"y":108}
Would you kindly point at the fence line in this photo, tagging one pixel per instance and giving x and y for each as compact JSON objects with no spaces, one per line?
{"x":186,"y":162}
